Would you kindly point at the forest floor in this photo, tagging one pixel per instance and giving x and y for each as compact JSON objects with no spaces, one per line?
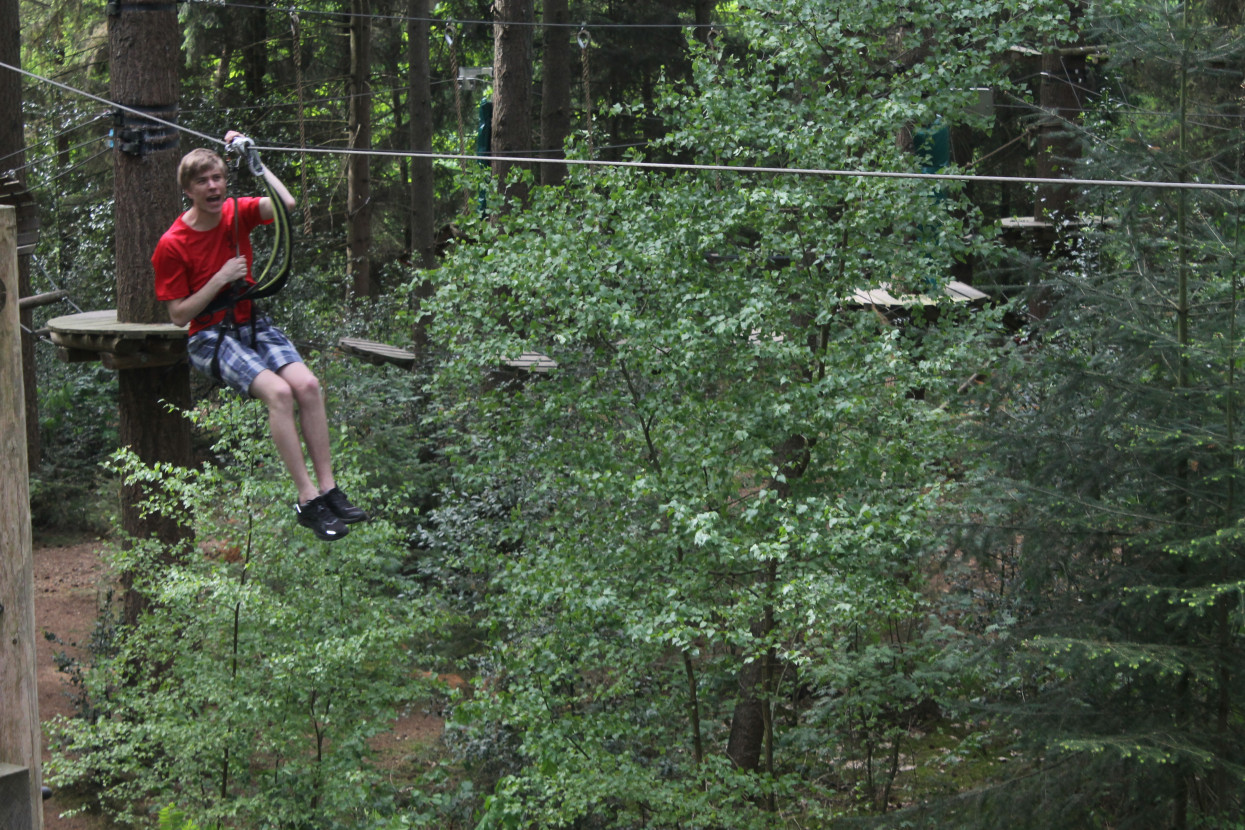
{"x":71,"y":581}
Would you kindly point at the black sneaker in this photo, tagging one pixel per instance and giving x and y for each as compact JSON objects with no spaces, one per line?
{"x":317,"y":515}
{"x":341,"y":506}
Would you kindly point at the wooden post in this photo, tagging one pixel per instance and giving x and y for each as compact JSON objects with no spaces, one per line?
{"x":13,"y":155}
{"x":21,"y":777}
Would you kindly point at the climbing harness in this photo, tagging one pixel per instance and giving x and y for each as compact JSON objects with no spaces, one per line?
{"x":276,"y":269}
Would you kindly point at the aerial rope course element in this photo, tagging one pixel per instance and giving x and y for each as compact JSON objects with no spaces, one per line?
{"x":668,"y":166}
{"x":340,"y":15}
{"x":276,"y":270}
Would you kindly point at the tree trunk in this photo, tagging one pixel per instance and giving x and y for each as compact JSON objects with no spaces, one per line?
{"x":423,"y":185}
{"x":747,"y":735}
{"x":359,"y":176}
{"x":751,"y":724}
{"x":12,"y":142}
{"x":144,"y":42}
{"x":154,"y":434}
{"x":1063,"y":87}
{"x":221,"y":82}
{"x":555,"y":104}
{"x":144,"y":46}
{"x":254,"y":48}
{"x":703,"y":12}
{"x":512,"y":90}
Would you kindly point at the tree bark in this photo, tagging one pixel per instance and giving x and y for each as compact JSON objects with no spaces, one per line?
{"x":555,"y":103}
{"x":1063,"y":87}
{"x":359,"y":175}
{"x":254,"y":48}
{"x":144,"y":44}
{"x":20,"y":737}
{"x":423,"y":184}
{"x":747,"y":735}
{"x":144,"y":47}
{"x":512,"y":90}
{"x":702,"y":11}
{"x":154,"y":434}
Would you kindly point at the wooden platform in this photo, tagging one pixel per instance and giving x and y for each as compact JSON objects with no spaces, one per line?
{"x":376,"y":353}
{"x":532,"y":362}
{"x":1029,"y":223}
{"x":957,"y":292}
{"x":96,"y":335}
{"x":13,"y":192}
{"x":381,"y":353}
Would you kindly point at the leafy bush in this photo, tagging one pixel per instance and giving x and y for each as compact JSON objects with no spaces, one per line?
{"x":249,"y":690}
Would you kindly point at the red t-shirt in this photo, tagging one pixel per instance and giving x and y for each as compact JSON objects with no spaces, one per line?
{"x":185,"y":259}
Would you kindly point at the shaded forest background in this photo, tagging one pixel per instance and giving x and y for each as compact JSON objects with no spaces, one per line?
{"x":753,"y":553}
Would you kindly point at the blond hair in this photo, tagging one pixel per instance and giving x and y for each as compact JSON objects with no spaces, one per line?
{"x":196,"y":162}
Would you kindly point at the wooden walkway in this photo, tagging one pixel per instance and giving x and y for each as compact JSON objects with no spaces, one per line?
{"x":380,"y":353}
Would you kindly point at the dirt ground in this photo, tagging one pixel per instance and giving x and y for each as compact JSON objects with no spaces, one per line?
{"x":68,"y":578}
{"x":70,"y":582}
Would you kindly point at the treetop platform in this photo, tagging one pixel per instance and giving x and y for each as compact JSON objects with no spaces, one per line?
{"x":97,"y":335}
{"x":380,"y":353}
{"x":377,"y":353}
{"x":955,"y":291}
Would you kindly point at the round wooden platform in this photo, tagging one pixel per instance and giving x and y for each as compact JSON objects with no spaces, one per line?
{"x":96,"y":335}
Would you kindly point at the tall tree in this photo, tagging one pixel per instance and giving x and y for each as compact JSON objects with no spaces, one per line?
{"x":1116,"y":440}
{"x":1064,"y":90}
{"x":143,"y":44}
{"x":702,"y":527}
{"x":423,"y":185}
{"x":255,"y":47}
{"x":512,"y":91}
{"x":555,"y":88}
{"x":359,"y":170}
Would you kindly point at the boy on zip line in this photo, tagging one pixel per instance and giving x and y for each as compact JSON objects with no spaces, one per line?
{"x":199,"y":258}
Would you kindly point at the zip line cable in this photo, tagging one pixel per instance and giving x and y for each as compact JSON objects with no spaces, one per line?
{"x":666,"y":166}
{"x":36,"y":161}
{"x":54,"y":137}
{"x":112,"y":104}
{"x":62,"y":173}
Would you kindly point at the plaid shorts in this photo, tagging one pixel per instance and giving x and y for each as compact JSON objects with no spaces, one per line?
{"x":245,"y":351}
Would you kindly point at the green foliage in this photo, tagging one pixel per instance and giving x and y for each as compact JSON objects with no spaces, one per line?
{"x":708,"y":522}
{"x":172,"y":818}
{"x":1114,"y":440}
{"x":700,"y":569}
{"x":78,"y":428}
{"x":249,"y":690}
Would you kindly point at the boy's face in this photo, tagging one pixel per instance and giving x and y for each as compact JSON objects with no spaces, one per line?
{"x":207,"y":189}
